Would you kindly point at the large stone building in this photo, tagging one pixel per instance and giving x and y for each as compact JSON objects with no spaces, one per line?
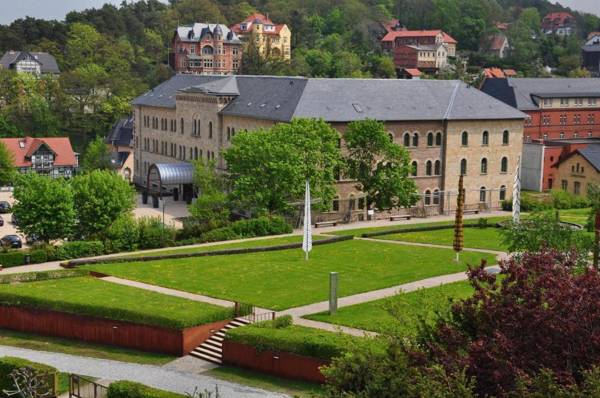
{"x":205,"y":49}
{"x":270,"y":39}
{"x":447,"y":126}
{"x":558,"y":110}
{"x":580,"y":169}
{"x":36,"y":63}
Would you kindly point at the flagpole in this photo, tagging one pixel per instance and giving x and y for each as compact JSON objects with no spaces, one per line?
{"x":517,"y":194}
{"x":307,"y":235}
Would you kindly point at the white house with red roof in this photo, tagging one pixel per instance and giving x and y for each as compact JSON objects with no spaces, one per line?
{"x":53,"y":156}
{"x":271,"y":39}
{"x":559,"y":23}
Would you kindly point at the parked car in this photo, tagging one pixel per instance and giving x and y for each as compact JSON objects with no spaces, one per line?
{"x":11,"y":241}
{"x":1,"y":221}
{"x":13,"y":219}
{"x":4,"y":206}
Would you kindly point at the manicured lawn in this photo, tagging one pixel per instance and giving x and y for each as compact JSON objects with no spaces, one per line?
{"x":294,"y":388}
{"x":475,"y":238}
{"x":283,"y":279}
{"x":408,"y":309}
{"x":74,"y":347}
{"x":577,"y":216}
{"x":94,"y":297}
{"x":222,"y":246}
{"x":392,"y":227}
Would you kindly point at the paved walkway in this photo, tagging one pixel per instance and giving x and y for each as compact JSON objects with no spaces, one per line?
{"x":167,"y":378}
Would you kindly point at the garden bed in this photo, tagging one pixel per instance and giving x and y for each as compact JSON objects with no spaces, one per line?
{"x":95,"y":311}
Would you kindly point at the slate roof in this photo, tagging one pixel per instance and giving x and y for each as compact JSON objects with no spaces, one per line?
{"x":200,"y":29}
{"x":122,"y":133}
{"x":522,"y":92}
{"x":226,"y":86}
{"x":594,"y":48}
{"x":47,"y":61}
{"x":339,"y":100}
{"x":118,"y":159}
{"x":591,"y":153}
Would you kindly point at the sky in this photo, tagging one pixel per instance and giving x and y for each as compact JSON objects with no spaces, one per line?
{"x":57,"y":9}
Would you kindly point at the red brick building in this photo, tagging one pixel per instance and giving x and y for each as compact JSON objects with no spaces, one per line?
{"x":564,"y":115}
{"x":206,"y":49}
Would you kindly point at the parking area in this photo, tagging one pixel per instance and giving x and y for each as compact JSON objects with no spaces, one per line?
{"x":8,"y":228}
{"x":174,"y":210}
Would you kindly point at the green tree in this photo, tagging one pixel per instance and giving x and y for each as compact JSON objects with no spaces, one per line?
{"x":96,"y":156}
{"x":268,"y":168}
{"x":44,"y":207}
{"x":7,"y":166}
{"x":100,"y":197}
{"x":381,"y":167}
{"x":210,"y":209}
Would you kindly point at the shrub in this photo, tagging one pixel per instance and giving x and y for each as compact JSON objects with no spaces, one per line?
{"x":38,"y":256}
{"x":12,"y":258}
{"x":283,"y":322}
{"x":566,"y":200}
{"x":8,"y":364}
{"x":482,"y":223}
{"x":129,"y":389}
{"x":153,"y":235}
{"x":42,"y":275}
{"x":77,"y":249}
{"x":219,"y":234}
{"x":261,"y":226}
{"x":122,"y":235}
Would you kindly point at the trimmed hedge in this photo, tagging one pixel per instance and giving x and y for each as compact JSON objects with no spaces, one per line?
{"x":17,"y":257}
{"x":77,"y":249}
{"x":42,"y":276}
{"x":77,"y":263}
{"x":129,"y":389}
{"x":8,"y":364}
{"x":280,"y":335}
{"x":478,"y":224}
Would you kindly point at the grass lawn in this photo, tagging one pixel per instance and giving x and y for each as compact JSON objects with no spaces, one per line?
{"x":475,"y":238}
{"x":393,"y":227}
{"x":283,"y":279}
{"x":94,"y":297}
{"x":408,"y":309}
{"x":577,"y":216}
{"x":294,"y":388}
{"x":74,"y":347}
{"x":222,"y":246}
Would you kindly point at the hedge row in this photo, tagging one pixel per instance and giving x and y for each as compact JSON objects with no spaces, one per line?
{"x":42,"y":276}
{"x":129,"y":389}
{"x":66,"y":251}
{"x":279,"y":335}
{"x":8,"y":364}
{"x":77,"y":263}
{"x":17,"y":257}
{"x":478,"y":224}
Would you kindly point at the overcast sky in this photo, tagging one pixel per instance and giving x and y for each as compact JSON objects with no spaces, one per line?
{"x":57,"y":9}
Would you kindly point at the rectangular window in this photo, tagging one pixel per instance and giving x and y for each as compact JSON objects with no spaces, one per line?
{"x":564,"y":184}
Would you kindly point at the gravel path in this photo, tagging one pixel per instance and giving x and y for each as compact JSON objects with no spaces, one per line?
{"x":165,"y":378}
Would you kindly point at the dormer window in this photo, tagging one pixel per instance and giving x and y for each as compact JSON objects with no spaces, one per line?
{"x":243,"y":26}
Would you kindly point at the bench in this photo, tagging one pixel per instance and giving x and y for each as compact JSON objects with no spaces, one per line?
{"x":474,"y":211}
{"x":403,"y":217}
{"x":325,"y":224}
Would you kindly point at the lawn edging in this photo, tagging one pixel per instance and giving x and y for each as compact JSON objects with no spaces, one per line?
{"x":224,"y":252}
{"x":42,"y":276}
{"x":428,"y":228}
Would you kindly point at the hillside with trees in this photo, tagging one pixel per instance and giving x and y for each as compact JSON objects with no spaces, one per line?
{"x":112,"y":54}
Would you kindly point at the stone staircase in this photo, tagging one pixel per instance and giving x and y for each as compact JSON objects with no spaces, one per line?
{"x":212,"y":349}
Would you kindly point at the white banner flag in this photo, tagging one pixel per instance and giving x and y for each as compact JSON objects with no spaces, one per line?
{"x":516,"y":206}
{"x":307,"y":238}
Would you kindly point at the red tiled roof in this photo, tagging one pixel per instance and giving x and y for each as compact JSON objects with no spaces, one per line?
{"x":497,"y":73}
{"x":61,"y":146}
{"x":261,"y":17}
{"x":560,"y":16}
{"x":497,"y":42}
{"x":249,"y":21}
{"x":510,"y":72}
{"x":414,"y":72}
{"x":392,"y":35}
{"x":502,"y":25}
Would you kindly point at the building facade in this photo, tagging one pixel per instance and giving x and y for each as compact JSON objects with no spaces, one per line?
{"x":35,"y":63}
{"x":580,"y":169}
{"x":590,"y":53}
{"x":451,"y":128}
{"x":561,"y":113}
{"x":51,"y":156}
{"x":270,"y":39}
{"x":120,"y":143}
{"x":558,"y":23}
{"x":205,"y":49}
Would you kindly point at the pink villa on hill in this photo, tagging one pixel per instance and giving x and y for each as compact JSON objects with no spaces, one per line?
{"x":53,"y":156}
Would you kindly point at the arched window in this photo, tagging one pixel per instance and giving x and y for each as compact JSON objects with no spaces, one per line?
{"x":504,"y":165}
{"x":207,"y":50}
{"x":391,"y":137}
{"x":430,"y":139}
{"x":196,"y":153}
{"x":427,"y":197}
{"x":464,"y":138}
{"x":485,"y":138}
{"x":437,"y":168}
{"x":428,"y":168}
{"x":194,"y":128}
{"x":503,"y":192}
{"x":436,"y":196}
{"x":415,"y":139}
{"x":414,"y":168}
{"x":484,"y":166}
{"x":181,"y":126}
{"x":352,"y":203}
{"x":482,"y":194}
{"x":463,"y":167}
{"x":505,"y":137}
{"x":406,"y":139}
{"x":438,"y":139}
{"x":336,"y":205}
{"x":210,"y":130}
